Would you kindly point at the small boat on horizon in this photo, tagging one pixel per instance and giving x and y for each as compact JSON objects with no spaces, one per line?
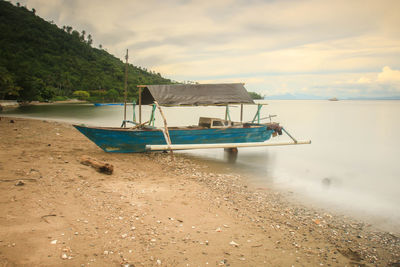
{"x":333,"y":99}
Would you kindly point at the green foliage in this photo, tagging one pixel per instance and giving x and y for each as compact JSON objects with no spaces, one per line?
{"x":8,"y":89}
{"x":39,"y":61}
{"x":81,"y":95}
{"x":255,"y":95}
{"x":47,"y":92}
{"x":112,"y":95}
{"x":60,"y":98}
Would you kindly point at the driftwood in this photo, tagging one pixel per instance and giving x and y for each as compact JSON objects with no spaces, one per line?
{"x":48,"y":215}
{"x":99,"y":166}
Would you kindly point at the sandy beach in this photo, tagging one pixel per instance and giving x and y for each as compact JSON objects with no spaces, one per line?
{"x":157,"y":211}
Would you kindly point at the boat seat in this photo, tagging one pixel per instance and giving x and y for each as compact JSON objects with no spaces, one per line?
{"x":214,"y":123}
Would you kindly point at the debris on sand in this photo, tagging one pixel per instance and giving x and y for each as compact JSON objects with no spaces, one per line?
{"x":99,"y":166}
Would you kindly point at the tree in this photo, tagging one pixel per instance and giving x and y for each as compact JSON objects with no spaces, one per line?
{"x":82,"y":37}
{"x":76,"y":35}
{"x":69,"y":29}
{"x":255,"y":95}
{"x":112,"y":95}
{"x":47,"y":93}
{"x":81,"y":95}
{"x":89,"y":40}
{"x":8,"y":89}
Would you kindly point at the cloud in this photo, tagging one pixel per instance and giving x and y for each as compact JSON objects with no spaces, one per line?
{"x":389,"y":76}
{"x":385,"y":83}
{"x":364,"y":80}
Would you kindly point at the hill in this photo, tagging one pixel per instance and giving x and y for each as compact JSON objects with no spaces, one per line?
{"x":40,"y":61}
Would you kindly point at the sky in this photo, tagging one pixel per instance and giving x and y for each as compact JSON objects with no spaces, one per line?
{"x":341,"y":48}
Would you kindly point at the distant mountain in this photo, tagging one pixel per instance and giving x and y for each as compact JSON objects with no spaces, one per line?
{"x":40,"y":61}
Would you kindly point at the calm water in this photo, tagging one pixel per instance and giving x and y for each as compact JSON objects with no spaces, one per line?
{"x":352,"y":165}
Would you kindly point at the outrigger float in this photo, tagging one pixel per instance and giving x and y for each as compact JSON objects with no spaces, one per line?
{"x":209,"y":133}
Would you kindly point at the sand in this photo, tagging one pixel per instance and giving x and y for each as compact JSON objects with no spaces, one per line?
{"x":155,"y":211}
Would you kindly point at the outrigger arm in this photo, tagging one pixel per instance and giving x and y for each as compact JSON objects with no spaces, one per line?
{"x":226,"y":145}
{"x":291,"y":137}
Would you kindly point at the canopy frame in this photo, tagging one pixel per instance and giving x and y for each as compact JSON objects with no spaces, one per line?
{"x":194,"y":95}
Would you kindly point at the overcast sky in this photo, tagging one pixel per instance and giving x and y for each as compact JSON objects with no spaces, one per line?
{"x":327,"y":48}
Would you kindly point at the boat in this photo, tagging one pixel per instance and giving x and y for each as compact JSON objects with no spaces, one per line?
{"x":107,"y":104}
{"x":333,"y":99}
{"x":209,"y":133}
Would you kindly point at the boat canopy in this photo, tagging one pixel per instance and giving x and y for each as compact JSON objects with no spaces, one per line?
{"x":195,"y":94}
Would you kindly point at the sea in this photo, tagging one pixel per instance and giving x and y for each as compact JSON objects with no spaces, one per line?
{"x":352,"y":166}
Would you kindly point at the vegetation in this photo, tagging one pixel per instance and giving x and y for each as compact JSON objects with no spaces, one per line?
{"x":81,"y":95}
{"x":255,"y":95}
{"x":40,"y":61}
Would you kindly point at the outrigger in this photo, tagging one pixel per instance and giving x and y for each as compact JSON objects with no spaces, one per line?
{"x":209,"y":133}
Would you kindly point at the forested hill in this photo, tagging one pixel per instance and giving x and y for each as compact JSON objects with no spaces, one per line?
{"x":40,"y":61}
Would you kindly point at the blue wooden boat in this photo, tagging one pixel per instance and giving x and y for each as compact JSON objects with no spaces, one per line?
{"x":209,"y":133}
{"x":107,"y":104}
{"x":125,"y":140}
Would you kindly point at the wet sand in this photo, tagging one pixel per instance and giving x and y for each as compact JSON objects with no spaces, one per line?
{"x":157,"y":211}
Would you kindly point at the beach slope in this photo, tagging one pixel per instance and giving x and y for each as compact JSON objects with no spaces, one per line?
{"x":153,"y":210}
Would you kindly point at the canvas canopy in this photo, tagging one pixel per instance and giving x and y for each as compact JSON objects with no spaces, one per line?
{"x":196,"y":94}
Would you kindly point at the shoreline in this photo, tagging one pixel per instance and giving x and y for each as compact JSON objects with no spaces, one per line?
{"x":70,"y":101}
{"x":152,"y":210}
{"x":379,"y":222}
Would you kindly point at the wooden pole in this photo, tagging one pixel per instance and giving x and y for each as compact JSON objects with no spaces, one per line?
{"x":166,"y":132}
{"x":140,"y":105}
{"x":241,"y":113}
{"x":223,"y":145}
{"x":126,"y":85}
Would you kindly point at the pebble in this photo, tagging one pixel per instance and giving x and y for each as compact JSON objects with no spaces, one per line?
{"x":233,"y":243}
{"x":64,"y":256}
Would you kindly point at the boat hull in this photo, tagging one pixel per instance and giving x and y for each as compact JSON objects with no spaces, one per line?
{"x":124,"y":140}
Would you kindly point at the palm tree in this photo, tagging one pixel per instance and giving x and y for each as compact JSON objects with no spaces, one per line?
{"x":83,"y":35}
{"x":89,"y":40}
